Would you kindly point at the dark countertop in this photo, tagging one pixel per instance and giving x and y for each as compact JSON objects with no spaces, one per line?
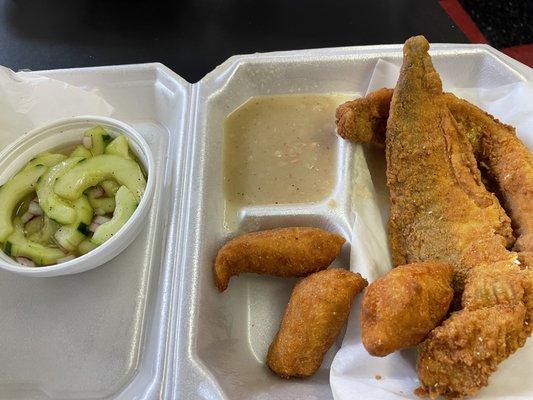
{"x":193,"y":37}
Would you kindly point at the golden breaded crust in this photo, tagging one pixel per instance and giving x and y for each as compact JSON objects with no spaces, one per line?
{"x":365,"y":120}
{"x":439,"y":205}
{"x":458,"y":357}
{"x":318,"y":308}
{"x":501,"y":283}
{"x":402,"y":307}
{"x":506,"y":160}
{"x":286,"y":252}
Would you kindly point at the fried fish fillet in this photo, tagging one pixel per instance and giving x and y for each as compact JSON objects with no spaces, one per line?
{"x":286,"y":252}
{"x":506,"y":160}
{"x":317,"y":310}
{"x":364,"y":120}
{"x":402,"y":307}
{"x":458,"y":357}
{"x":439,"y":211}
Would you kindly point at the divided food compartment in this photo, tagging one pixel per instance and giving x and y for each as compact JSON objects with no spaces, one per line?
{"x":150,"y":324}
{"x":102,"y":333}
{"x":222,"y":339}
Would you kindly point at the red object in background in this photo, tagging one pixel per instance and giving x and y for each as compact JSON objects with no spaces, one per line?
{"x":523,"y":53}
{"x":456,"y":11}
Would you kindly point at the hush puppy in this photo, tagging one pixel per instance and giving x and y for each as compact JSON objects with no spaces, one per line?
{"x":317,"y":310}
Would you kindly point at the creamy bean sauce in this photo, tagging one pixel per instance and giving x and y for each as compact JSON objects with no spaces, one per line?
{"x":281,"y":149}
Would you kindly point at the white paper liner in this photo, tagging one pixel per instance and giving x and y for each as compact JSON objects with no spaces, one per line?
{"x":28,"y":101}
{"x":354,"y":373}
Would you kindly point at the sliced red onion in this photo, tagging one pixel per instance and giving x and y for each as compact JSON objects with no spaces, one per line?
{"x":97,"y":192}
{"x":100,"y":219}
{"x":87,"y":142}
{"x":25,"y":262}
{"x":66,"y":259}
{"x":26,"y":217}
{"x":93,"y":227}
{"x":35,"y":209}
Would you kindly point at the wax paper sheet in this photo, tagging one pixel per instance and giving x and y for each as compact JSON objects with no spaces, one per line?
{"x":28,"y":101}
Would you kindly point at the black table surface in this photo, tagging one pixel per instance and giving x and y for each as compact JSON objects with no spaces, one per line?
{"x":193,"y":37}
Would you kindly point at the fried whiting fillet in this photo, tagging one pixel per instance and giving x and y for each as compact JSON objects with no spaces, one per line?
{"x":441,"y":211}
{"x":506,"y":160}
{"x":286,"y":252}
{"x":458,"y":357}
{"x":318,"y":309}
{"x":402,"y":307}
{"x":364,"y":120}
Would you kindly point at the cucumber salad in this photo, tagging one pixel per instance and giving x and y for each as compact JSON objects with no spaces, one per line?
{"x":60,"y":206}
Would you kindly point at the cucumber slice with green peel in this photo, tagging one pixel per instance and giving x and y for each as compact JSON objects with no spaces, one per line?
{"x":99,"y":139}
{"x":86,"y":246}
{"x":126,"y":205}
{"x":34,"y":225}
{"x":70,"y":236}
{"x":54,"y":206}
{"x":46,"y":159}
{"x":81,"y":151}
{"x":105,"y":204}
{"x":17,"y":245}
{"x":110,"y":187}
{"x":84,"y":211}
{"x":94,"y":170}
{"x":45,"y":234}
{"x":119,"y":147}
{"x":13,"y":192}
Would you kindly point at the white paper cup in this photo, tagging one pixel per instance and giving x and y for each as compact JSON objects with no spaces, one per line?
{"x":65,"y":132}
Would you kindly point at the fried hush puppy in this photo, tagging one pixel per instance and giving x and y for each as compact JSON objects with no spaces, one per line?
{"x":317,"y":310}
{"x":402,"y":307}
{"x":284,"y":252}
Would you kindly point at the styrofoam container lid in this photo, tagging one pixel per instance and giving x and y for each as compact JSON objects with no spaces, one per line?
{"x":62,"y":133}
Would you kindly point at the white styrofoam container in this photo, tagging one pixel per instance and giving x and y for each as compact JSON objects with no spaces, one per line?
{"x":103,"y":333}
{"x":152,"y":325}
{"x":221,"y":340}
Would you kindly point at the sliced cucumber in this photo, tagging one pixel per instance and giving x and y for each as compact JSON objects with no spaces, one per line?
{"x":99,"y":138}
{"x":45,"y":234}
{"x":80,"y":151}
{"x":110,"y":187}
{"x":53,"y":205}
{"x":12,"y":193}
{"x":119,"y":147}
{"x":46,"y":159}
{"x":34,"y":225}
{"x":86,"y":246}
{"x":19,"y":246}
{"x":101,"y":205}
{"x":70,"y":236}
{"x":105,"y":204}
{"x":96,"y":169}
{"x":126,"y":205}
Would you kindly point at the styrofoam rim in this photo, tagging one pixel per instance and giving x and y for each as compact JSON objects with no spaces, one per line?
{"x":112,"y":247}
